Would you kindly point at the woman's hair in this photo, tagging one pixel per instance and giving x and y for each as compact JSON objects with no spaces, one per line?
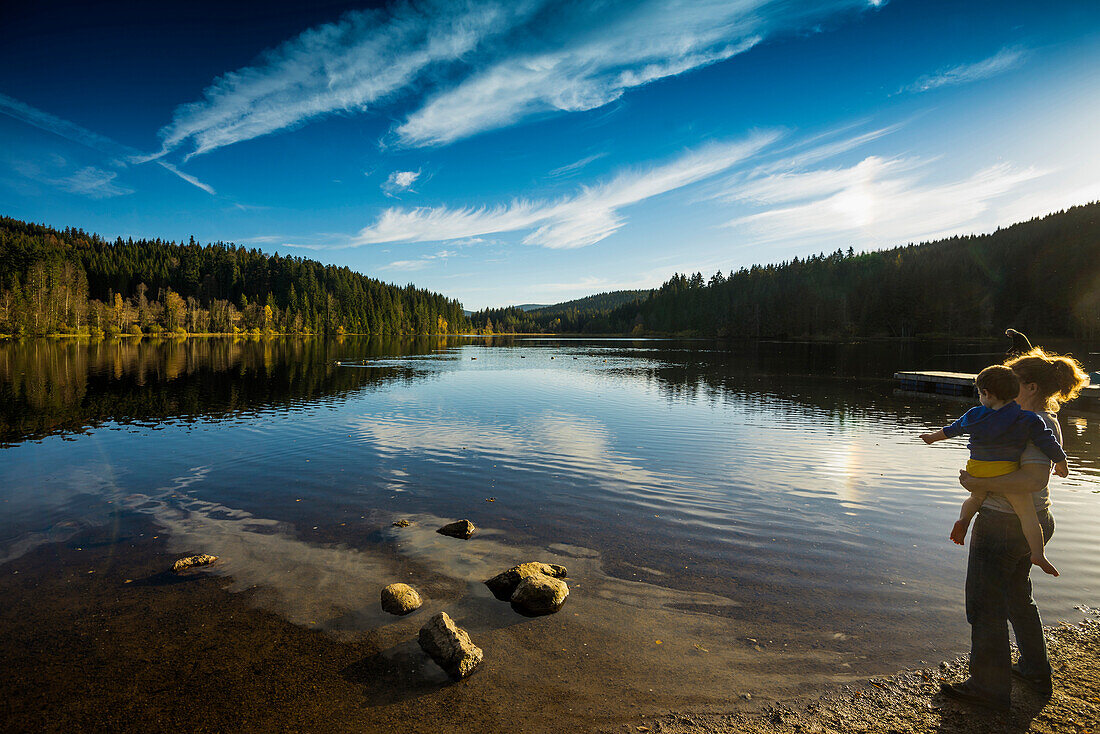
{"x":1059,"y":378}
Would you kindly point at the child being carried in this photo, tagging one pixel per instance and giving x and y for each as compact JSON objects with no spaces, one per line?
{"x":999,"y":431}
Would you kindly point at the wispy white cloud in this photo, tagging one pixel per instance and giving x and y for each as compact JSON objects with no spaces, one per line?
{"x":349,"y":66}
{"x":576,"y":221}
{"x":1002,"y":61}
{"x":77,"y":134}
{"x":419,"y":263}
{"x":875,"y":203}
{"x":571,"y":168}
{"x":784,"y":165}
{"x":187,"y":177}
{"x":619,"y":46}
{"x":95,"y":183}
{"x":815,"y":149}
{"x":400,"y":181}
{"x":478,"y":65}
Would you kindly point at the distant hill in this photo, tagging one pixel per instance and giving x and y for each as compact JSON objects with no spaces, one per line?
{"x":598,"y":302}
{"x":574,"y":316}
{"x":531,"y":306}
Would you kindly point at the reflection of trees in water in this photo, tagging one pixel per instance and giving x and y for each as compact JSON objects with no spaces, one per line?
{"x":842,"y":380}
{"x":52,"y":386}
{"x":823,"y":375}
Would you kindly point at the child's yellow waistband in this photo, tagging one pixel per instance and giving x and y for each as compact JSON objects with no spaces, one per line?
{"x":977,"y":468}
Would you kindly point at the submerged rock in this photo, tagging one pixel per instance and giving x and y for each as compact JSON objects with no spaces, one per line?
{"x":460,"y":529}
{"x":503,"y":585}
{"x":184,"y":564}
{"x":400,"y":599}
{"x":402,"y":524}
{"x":450,"y":646}
{"x":539,"y":594}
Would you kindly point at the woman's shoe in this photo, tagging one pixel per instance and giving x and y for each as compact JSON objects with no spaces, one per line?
{"x":1042,"y":686}
{"x":962,"y":692}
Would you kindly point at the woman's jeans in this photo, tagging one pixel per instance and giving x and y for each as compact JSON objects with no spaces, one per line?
{"x":998,"y":591}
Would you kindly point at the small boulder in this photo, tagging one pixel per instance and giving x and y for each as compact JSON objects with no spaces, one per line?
{"x":402,"y":524}
{"x":400,"y":599}
{"x":460,"y":529}
{"x":450,"y":646}
{"x":503,"y":585}
{"x":539,"y":594}
{"x":184,"y":564}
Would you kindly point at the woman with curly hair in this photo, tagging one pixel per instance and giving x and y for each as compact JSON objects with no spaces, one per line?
{"x":998,"y":583}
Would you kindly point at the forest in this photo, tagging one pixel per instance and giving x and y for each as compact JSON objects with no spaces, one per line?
{"x":1041,"y":276}
{"x":70,"y":282}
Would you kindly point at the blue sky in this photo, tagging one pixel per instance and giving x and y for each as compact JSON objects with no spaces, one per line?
{"x":525,"y":151}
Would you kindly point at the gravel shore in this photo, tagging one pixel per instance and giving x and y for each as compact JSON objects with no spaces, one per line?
{"x":910,"y":701}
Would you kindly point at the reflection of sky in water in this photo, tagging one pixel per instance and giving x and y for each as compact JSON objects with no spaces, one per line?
{"x":796,"y":493}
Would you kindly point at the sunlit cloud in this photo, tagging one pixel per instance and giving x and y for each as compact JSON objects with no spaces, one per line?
{"x":876,"y":202}
{"x":399,"y":181}
{"x":476,"y":66}
{"x":585,"y":218}
{"x":1004,"y":60}
{"x":77,"y":134}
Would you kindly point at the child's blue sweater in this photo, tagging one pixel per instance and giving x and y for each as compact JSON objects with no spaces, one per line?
{"x":1001,"y":435}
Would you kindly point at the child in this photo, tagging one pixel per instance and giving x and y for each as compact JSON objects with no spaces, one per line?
{"x":999,"y":430}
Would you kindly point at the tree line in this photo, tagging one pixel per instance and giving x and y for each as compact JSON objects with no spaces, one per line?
{"x":69,"y":281}
{"x":1041,"y":276}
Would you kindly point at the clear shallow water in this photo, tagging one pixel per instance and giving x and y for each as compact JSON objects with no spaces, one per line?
{"x":784,"y":481}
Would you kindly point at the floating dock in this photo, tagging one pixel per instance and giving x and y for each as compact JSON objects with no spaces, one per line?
{"x":959,"y":386}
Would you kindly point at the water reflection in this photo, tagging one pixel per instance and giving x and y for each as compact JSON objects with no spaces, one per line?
{"x":774,"y":482}
{"x":67,"y":385}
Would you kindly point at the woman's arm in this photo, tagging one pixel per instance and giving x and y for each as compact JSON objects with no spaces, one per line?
{"x":1028,"y":478}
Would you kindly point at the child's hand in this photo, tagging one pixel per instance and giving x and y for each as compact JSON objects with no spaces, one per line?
{"x":1061,"y":469}
{"x":928,"y":438}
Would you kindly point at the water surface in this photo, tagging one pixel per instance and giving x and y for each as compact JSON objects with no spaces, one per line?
{"x":699,"y":491}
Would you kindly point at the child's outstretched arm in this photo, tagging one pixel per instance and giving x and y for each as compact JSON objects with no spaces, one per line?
{"x":931,"y":438}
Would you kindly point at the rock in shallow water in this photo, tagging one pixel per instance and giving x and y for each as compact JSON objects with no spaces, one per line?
{"x":400,"y":599}
{"x":539,"y":594}
{"x":503,"y":585}
{"x":184,"y":564}
{"x":450,"y":646}
{"x":461,"y":529}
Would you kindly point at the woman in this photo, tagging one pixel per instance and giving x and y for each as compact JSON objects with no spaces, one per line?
{"x":998,"y":584}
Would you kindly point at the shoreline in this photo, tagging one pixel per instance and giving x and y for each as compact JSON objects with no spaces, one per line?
{"x":678,"y":336}
{"x":909,"y":701}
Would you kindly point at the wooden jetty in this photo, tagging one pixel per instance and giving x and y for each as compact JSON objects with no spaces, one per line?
{"x":959,"y":386}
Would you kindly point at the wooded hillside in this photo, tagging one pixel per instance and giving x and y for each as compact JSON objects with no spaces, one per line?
{"x":68,"y":281}
{"x":1040,"y":276}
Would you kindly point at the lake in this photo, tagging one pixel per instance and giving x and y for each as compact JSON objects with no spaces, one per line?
{"x":737,"y":518}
